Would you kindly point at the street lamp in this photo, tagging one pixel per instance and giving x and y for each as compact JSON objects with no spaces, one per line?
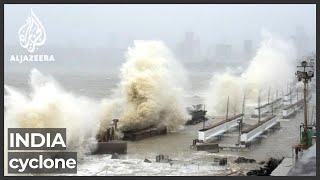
{"x":305,"y":77}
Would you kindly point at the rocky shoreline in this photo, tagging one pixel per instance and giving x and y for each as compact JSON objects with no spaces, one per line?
{"x":267,"y":169}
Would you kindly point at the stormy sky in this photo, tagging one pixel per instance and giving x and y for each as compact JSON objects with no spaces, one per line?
{"x":116,"y":25}
{"x":98,"y":25}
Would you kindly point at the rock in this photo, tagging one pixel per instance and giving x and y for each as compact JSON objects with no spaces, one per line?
{"x":220,"y":161}
{"x":259,"y":172}
{"x":147,"y":160}
{"x":267,"y":169}
{"x":272,"y":164}
{"x":262,"y":162}
{"x":223,"y":162}
{"x":162,"y":158}
{"x":115,"y":156}
{"x":244,"y":160}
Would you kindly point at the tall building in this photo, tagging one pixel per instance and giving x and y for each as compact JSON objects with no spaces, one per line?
{"x":247,"y":49}
{"x":223,"y":51}
{"x":189,"y":48}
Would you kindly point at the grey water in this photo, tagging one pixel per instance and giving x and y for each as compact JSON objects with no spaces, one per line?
{"x":176,"y":145}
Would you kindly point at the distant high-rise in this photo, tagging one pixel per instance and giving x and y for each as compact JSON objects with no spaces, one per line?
{"x":189,"y":48}
{"x":247,"y":49}
{"x":223,"y":51}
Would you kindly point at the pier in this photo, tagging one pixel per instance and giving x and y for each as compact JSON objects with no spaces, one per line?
{"x":266,"y":108}
{"x":219,"y":128}
{"x":251,"y":133}
{"x":291,"y":109}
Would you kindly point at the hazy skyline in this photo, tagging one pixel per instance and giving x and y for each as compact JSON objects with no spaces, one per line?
{"x":96,"y":37}
{"x":97,"y":25}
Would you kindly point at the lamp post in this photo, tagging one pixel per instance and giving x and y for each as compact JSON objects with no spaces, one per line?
{"x":227,"y":114}
{"x":204,"y":117}
{"x":240,"y":121}
{"x":259,"y":108}
{"x":305,"y":77}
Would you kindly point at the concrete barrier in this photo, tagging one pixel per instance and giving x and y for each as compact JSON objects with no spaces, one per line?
{"x":211,"y":147}
{"x":111,"y":147}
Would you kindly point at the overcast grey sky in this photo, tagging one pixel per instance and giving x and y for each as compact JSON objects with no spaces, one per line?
{"x":92,"y":25}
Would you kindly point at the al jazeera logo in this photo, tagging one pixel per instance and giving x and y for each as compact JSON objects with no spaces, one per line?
{"x":32,"y":35}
